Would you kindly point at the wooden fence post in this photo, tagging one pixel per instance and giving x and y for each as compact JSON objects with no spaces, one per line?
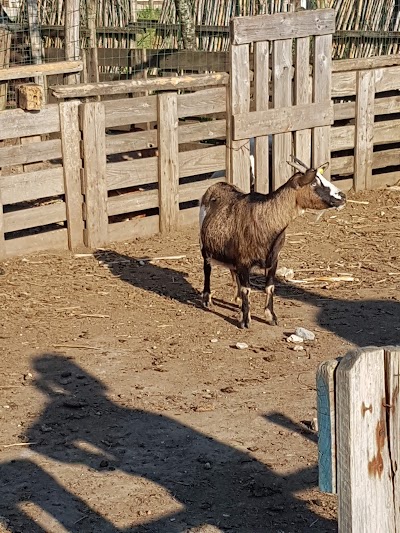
{"x":239,"y":102}
{"x":92,"y":116}
{"x":72,"y":165}
{"x":168,"y":161}
{"x":364,"y":135}
{"x":72,"y":36}
{"x":367,"y":383}
{"x":261,"y":96}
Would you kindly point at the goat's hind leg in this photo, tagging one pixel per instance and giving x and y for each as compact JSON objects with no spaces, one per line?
{"x":270,"y":271}
{"x":206,"y":295}
{"x":236,"y":286}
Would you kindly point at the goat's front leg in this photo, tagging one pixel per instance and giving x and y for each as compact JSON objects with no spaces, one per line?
{"x":206,"y":296}
{"x":236,"y":284}
{"x":244,"y":280}
{"x":270,"y":271}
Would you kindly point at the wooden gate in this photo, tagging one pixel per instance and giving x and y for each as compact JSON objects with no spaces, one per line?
{"x":298,"y":46}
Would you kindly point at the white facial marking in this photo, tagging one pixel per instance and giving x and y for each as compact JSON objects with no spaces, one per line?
{"x":334,"y":191}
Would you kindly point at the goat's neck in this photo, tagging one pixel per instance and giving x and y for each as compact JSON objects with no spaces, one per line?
{"x":282,"y":204}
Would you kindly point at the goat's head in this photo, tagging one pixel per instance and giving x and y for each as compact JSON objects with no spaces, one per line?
{"x":315,"y":191}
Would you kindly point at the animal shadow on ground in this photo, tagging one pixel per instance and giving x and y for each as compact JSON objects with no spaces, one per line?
{"x":361,"y":322}
{"x":211,"y":483}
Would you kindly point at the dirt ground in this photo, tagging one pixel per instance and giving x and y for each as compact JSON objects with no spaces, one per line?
{"x":126,"y":407}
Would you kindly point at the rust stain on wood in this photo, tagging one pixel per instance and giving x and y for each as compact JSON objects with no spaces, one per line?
{"x":364,"y":408}
{"x":375,"y":466}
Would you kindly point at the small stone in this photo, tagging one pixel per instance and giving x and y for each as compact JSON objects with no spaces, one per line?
{"x":207,"y":466}
{"x":298,"y":348}
{"x":214,"y":340}
{"x":294,"y":338}
{"x":314,"y":424}
{"x":305,"y":334}
{"x":270,"y":357}
{"x":103,"y":463}
{"x":285,"y":273}
{"x":241,"y":345}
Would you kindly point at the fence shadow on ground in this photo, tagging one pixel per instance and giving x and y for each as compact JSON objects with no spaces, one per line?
{"x":211,"y":483}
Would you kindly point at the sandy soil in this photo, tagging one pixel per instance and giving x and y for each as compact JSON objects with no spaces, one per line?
{"x":126,"y":407}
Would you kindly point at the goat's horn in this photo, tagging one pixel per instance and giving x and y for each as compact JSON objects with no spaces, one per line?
{"x":296,"y":166}
{"x":297,"y":160}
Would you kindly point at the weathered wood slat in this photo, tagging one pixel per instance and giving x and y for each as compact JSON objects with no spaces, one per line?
{"x":168,"y":161}
{"x":321,"y":152}
{"x":32,"y":185}
{"x":282,"y":26}
{"x":133,"y":201}
{"x":44,"y":69}
{"x":387,"y":131}
{"x":342,"y":165}
{"x":342,"y":138}
{"x":130,"y":110}
{"x":132,"y":173}
{"x":135,"y":227}
{"x":261,"y":97}
{"x":189,"y":216}
{"x":171,"y":83}
{"x":343,"y":84}
{"x":72,"y":164}
{"x":30,"y":153}
{"x":386,"y":158}
{"x":18,"y":123}
{"x":295,"y":118}
{"x":35,"y":217}
{"x":94,"y":173}
{"x":386,"y":179}
{"x":239,"y":102}
{"x":282,"y":98}
{"x":387,"y":79}
{"x":365,"y":63}
{"x":129,"y":142}
{"x":363,"y":464}
{"x":202,"y":102}
{"x":194,"y":191}
{"x":202,"y":131}
{"x":364,"y":132}
{"x":201,"y":161}
{"x":326,"y":426}
{"x":302,"y":96}
{"x":40,"y":242}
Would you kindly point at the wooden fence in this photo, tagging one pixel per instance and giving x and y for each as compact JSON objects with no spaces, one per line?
{"x":358,"y":441}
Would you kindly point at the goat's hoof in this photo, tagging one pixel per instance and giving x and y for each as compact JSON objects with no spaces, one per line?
{"x":207,"y":301}
{"x":244,"y":324}
{"x":271,"y":318}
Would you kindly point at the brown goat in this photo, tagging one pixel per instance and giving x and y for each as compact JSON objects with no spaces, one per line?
{"x":240,"y":231}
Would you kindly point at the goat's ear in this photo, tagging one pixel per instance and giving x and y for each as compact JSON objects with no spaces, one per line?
{"x":323,"y":167}
{"x":301,"y":180}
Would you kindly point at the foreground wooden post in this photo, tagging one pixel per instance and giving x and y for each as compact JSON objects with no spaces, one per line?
{"x":366,"y":384}
{"x":92,"y":115}
{"x":72,"y":165}
{"x":5,"y":48}
{"x":364,"y":134}
{"x":168,"y":161}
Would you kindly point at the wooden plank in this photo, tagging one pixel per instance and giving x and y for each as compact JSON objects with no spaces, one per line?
{"x":133,"y":228}
{"x":202,"y":102}
{"x":302,"y":96}
{"x":194,"y":191}
{"x":344,"y":110}
{"x":34,"y":217}
{"x":343,"y":138}
{"x":386,"y":132}
{"x":282,"y":26}
{"x":72,"y":164}
{"x":392,"y":372}
{"x":365,"y":63}
{"x":93,"y":74}
{"x":387,"y":79}
{"x":94,"y":173}
{"x":130,"y":142}
{"x":282,"y":97}
{"x":72,"y":36}
{"x":40,"y":242}
{"x":261,"y":97}
{"x":386,"y":179}
{"x":130,"y":110}
{"x":130,"y":202}
{"x":30,"y":153}
{"x":201,"y":161}
{"x":344,"y":185}
{"x":45,"y":69}
{"x":322,"y":93}
{"x":36,"y":41}
{"x":365,"y":492}
{"x":386,"y":158}
{"x":202,"y":131}
{"x":168,"y":164}
{"x":239,"y":103}
{"x":32,"y":185}
{"x":343,"y":84}
{"x":342,"y":165}
{"x":326,"y":410}
{"x":189,"y":216}
{"x":5,"y":49}
{"x":364,"y":131}
{"x":18,"y":123}
{"x":281,"y":120}
{"x":170,"y":83}
{"x":132,"y":173}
